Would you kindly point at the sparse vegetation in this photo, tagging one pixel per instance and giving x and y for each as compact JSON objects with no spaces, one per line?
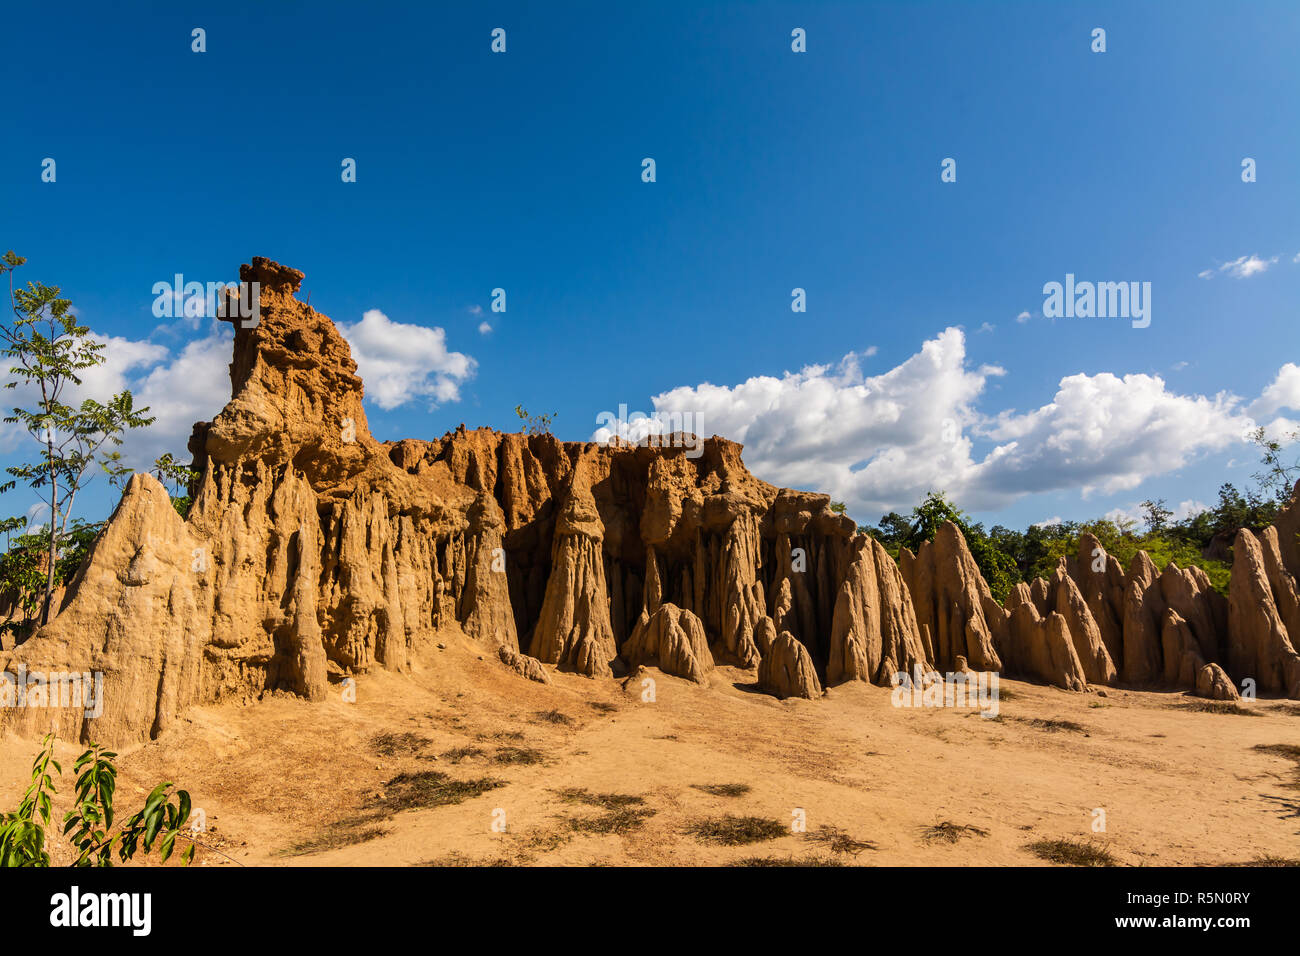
{"x":621,"y":820}
{"x":518,"y":755}
{"x":623,"y":811}
{"x":554,"y":717}
{"x":1269,"y":861}
{"x":1071,"y":853}
{"x":736,"y":831}
{"x":431,"y":788}
{"x":1289,"y":752}
{"x":457,"y":754}
{"x":807,"y":861}
{"x":459,"y":859}
{"x":607,"y":801}
{"x":724,"y":789}
{"x":534,"y":424}
{"x":1052,"y":725}
{"x":546,"y":841}
{"x":392,"y":745}
{"x":949,"y":832}
{"x":837,"y":841}
{"x":335,"y":838}
{"x":1219,"y":707}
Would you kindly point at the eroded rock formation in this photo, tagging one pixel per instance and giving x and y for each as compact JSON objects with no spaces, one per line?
{"x":874,"y":634}
{"x":673,"y":640}
{"x":314,"y":552}
{"x":787,"y":670}
{"x":1258,"y":640}
{"x":955,"y":611}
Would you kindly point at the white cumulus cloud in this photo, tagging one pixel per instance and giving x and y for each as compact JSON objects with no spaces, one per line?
{"x":1282,"y":392}
{"x":401,"y":362}
{"x":881,"y":442}
{"x":178,"y":391}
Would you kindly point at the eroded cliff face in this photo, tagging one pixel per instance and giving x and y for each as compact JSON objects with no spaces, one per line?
{"x":314,"y":552}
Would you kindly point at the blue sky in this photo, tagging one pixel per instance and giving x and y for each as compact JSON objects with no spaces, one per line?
{"x":775,"y":170}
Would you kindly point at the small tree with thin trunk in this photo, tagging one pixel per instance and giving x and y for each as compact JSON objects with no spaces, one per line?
{"x":48,"y":349}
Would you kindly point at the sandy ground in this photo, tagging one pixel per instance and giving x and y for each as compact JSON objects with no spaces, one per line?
{"x":284,"y":782}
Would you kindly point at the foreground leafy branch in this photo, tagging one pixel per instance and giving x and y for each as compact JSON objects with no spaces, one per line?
{"x":89,"y":825}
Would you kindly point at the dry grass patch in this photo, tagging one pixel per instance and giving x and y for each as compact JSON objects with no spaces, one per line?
{"x":732,"y":830}
{"x":622,"y":820}
{"x":503,"y":735}
{"x":949,"y":832}
{"x":1218,"y":707}
{"x":518,"y":755}
{"x":546,"y":841}
{"x":335,"y":838}
{"x":458,"y":754}
{"x":431,"y":788}
{"x":606,"y":801}
{"x":1054,"y":726}
{"x":1289,"y":752}
{"x":1071,"y":853}
{"x":624,"y":812}
{"x":554,"y":717}
{"x":807,"y":861}
{"x":1268,"y":861}
{"x":723,"y":789}
{"x":455,"y":859}
{"x":837,"y":841}
{"x":393,"y":745}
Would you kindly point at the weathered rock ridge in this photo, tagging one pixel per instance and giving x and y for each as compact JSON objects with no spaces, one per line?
{"x":314,"y":552}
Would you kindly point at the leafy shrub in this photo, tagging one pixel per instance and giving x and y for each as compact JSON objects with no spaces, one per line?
{"x":89,"y":825}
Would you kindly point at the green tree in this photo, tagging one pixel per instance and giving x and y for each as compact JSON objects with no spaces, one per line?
{"x":1156,"y":515}
{"x":49,"y":349}
{"x":892,"y":531}
{"x":22,"y":578}
{"x":1275,"y":478}
{"x":929,"y":516}
{"x":998,"y":567}
{"x":23,"y":567}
